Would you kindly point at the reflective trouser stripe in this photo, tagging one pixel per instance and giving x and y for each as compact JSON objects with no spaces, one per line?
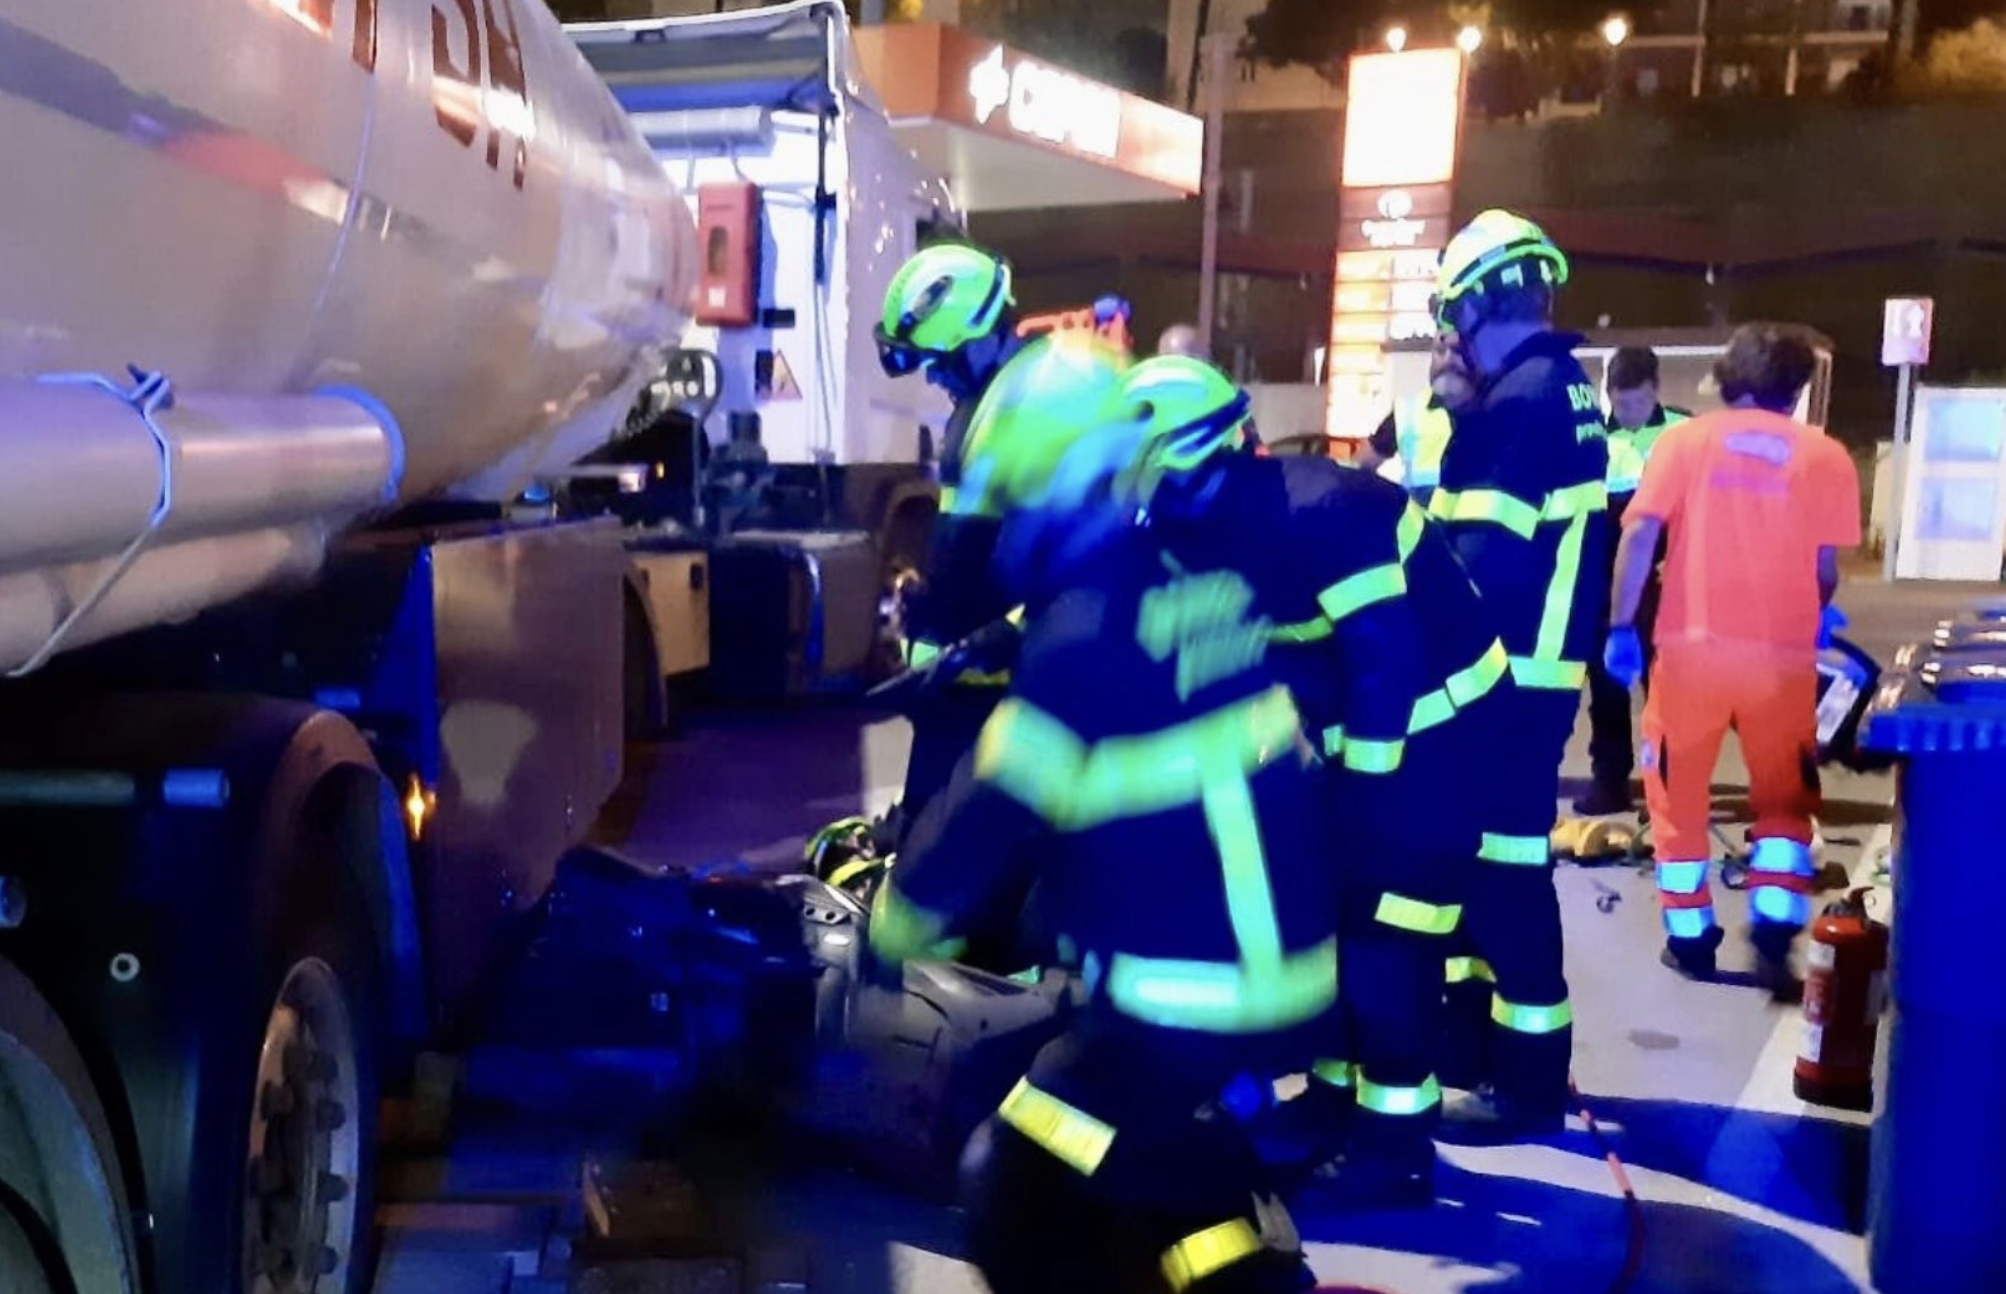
{"x":1363,"y":755}
{"x":1682,"y":878}
{"x":1777,"y":904}
{"x":1683,"y":897}
{"x":1378,"y":757}
{"x":1781,"y":878}
{"x":1689,"y":923}
{"x":1461,"y":970}
{"x":1403,"y":913}
{"x":1531,"y":1019}
{"x":1520,"y":851}
{"x":1073,"y":1137}
{"x":1334,"y":1073}
{"x":1399,"y":1102}
{"x":1209,"y":1252}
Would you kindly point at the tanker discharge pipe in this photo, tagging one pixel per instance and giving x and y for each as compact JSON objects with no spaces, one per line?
{"x":122,"y":509}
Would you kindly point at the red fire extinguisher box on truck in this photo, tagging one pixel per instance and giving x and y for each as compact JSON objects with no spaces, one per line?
{"x":728,"y":223}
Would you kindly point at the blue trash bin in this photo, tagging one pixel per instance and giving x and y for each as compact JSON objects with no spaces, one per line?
{"x":1936,"y":1211}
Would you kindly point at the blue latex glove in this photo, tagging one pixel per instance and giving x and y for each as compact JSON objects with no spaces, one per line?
{"x":1623,"y":657}
{"x":1830,"y":621}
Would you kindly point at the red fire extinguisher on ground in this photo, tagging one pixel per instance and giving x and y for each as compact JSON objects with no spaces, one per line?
{"x":1844,"y":991}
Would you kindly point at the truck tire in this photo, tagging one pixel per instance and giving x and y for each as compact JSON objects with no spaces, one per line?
{"x":281,"y":1112}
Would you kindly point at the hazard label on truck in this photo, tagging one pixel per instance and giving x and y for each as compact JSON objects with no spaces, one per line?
{"x":784,"y":386}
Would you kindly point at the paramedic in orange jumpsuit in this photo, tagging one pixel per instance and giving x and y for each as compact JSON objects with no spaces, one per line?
{"x":1756,"y":507}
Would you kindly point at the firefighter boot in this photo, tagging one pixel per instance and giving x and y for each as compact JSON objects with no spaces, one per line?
{"x":1693,"y":958}
{"x":1293,"y":1136}
{"x":1487,"y":1117}
{"x":1772,"y":942}
{"x":1389,"y":1164}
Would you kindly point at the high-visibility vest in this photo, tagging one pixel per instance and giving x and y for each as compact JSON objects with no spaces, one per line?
{"x":1630,"y":450}
{"x":1421,"y":430}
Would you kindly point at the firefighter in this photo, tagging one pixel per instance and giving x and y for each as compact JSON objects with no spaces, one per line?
{"x":1524,"y":498}
{"x":1392,"y":655}
{"x":1756,"y":507}
{"x":950,"y":315}
{"x":1150,"y":771}
{"x":1635,"y":421}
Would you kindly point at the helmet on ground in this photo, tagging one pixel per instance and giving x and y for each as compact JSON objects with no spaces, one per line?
{"x":1496,"y":254}
{"x":1189,"y":411}
{"x":1050,"y":430}
{"x":943,"y":298}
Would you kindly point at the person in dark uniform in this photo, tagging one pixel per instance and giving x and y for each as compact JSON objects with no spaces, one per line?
{"x":1392,"y":655}
{"x":1635,"y":422}
{"x":1149,"y":771}
{"x":1524,"y":498}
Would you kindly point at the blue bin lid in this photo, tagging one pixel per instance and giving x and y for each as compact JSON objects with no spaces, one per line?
{"x":1950,"y":700}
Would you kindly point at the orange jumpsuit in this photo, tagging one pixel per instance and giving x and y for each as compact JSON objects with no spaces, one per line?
{"x":1748,"y":498}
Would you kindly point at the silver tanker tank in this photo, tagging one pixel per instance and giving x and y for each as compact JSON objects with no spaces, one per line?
{"x":382,"y":249}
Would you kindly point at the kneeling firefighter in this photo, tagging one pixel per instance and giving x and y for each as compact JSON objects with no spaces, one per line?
{"x":1149,"y":770}
{"x":1389,"y":648}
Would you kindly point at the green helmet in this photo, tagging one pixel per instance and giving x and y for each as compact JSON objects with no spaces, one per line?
{"x":1495,"y":253}
{"x":1050,"y":430}
{"x":945,"y":297}
{"x":1189,"y":412}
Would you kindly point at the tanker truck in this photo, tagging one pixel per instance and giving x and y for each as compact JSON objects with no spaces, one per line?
{"x":296,"y":296}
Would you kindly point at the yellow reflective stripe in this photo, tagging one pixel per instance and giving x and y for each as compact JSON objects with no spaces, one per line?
{"x":1308,"y":631}
{"x":1333,"y":741}
{"x":920,"y":653}
{"x":900,"y":929}
{"x":1355,"y":593}
{"x":1468,"y":686}
{"x":1031,"y":757}
{"x":1223,"y":997}
{"x":1569,"y":502}
{"x":1333,"y":1073}
{"x":1236,"y":833}
{"x":1015,"y":615}
{"x":1560,"y":591}
{"x":1523,"y":851}
{"x":1531,"y":1019}
{"x":1377,"y":757}
{"x":1044,"y":765}
{"x":1203,"y":1256}
{"x":1413,"y":524}
{"x":1493,"y":506}
{"x":1550,"y":675}
{"x":1073,"y":1137}
{"x":851,"y":870}
{"x":1399,"y":1102}
{"x":1431,"y":710}
{"x":1403,"y":913}
{"x":1461,"y":970}
{"x":1465,"y":688}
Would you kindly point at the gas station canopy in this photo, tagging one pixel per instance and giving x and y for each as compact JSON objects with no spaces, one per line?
{"x":1009,"y":131}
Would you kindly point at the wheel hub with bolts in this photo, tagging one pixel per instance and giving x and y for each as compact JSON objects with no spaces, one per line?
{"x":305,"y":1151}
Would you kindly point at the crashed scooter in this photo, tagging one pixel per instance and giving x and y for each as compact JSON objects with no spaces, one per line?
{"x":909,"y":1061}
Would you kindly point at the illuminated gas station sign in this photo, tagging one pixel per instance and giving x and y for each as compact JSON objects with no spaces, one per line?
{"x":1045,"y":103}
{"x":1394,"y":212}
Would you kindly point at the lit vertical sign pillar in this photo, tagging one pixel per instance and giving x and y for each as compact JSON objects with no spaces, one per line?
{"x":1402,"y":118}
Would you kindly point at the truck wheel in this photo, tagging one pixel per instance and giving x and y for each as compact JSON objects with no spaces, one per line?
{"x":277,"y":1103}
{"x":306,"y":1225}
